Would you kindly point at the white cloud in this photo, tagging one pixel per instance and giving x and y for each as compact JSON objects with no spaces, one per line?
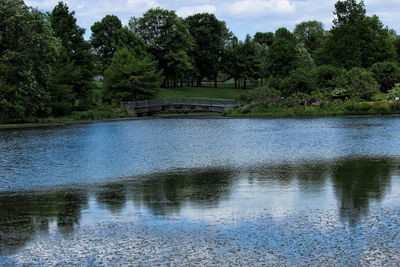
{"x":141,"y":5}
{"x":257,"y":8}
{"x":191,"y":10}
{"x":46,"y":5}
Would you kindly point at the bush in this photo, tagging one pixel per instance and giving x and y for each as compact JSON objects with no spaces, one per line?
{"x":386,"y":74}
{"x":299,"y":80}
{"x":382,"y":108}
{"x":361,"y":84}
{"x":328,"y":76}
{"x":265,"y":96}
{"x":394,"y":94}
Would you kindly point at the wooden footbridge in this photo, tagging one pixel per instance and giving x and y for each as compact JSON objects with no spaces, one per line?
{"x":179,"y":105}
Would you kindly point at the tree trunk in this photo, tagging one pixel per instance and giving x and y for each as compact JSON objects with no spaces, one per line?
{"x":244,"y":84}
{"x":235,"y":83}
{"x":215,"y":83}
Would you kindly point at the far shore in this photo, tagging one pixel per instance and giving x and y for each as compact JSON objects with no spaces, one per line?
{"x":178,"y":116}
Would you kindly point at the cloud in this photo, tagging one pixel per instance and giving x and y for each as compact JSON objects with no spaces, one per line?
{"x":258,"y":8}
{"x":141,"y":5}
{"x":191,"y":10}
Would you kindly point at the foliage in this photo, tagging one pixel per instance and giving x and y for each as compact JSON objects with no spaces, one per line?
{"x":310,"y":34}
{"x":283,"y":33}
{"x":72,"y":80}
{"x":355,"y":34}
{"x":168,"y":39}
{"x":283,"y":57}
{"x":265,"y":96}
{"x":210,"y":36}
{"x":130,"y":77}
{"x":328,"y":76}
{"x":394,"y":93}
{"x":27,"y":51}
{"x":386,"y":74}
{"x":299,"y":80}
{"x":108,"y":36}
{"x":264,"y":38}
{"x":361,"y":84}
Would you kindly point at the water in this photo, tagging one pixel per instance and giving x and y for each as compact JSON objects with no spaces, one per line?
{"x":290,"y":189}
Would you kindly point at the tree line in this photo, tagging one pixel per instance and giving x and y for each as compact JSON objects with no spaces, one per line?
{"x":47,"y":68}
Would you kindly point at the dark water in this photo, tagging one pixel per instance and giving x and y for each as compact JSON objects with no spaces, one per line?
{"x":189,"y":171}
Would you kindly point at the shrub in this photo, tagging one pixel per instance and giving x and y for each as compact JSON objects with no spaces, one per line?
{"x":386,"y":74}
{"x":363,"y":106}
{"x":328,"y":76}
{"x":361,"y":84}
{"x":394,"y":93}
{"x":299,"y":80}
{"x":265,"y":96}
{"x":382,"y":108}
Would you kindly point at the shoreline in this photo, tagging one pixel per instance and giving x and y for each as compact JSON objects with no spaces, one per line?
{"x":7,"y":126}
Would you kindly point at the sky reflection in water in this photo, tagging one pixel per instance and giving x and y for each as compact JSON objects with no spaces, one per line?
{"x":55,"y":179}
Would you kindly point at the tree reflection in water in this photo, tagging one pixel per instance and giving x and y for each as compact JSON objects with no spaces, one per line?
{"x":356,"y":182}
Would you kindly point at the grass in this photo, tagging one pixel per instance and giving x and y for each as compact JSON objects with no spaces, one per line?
{"x":346,"y":109}
{"x":199,"y":92}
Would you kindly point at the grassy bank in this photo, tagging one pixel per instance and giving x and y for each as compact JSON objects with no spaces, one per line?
{"x":199,"y":92}
{"x":77,"y":116}
{"x":344,"y":109}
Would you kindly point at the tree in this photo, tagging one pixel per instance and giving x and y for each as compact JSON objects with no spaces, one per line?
{"x":361,"y":84}
{"x":108,"y":36}
{"x":232,"y":64}
{"x":27,"y":51}
{"x":386,"y":74}
{"x":130,"y":77}
{"x":264,"y":38}
{"x":167,"y":38}
{"x":283,"y":33}
{"x":75,"y":67}
{"x":310,"y":34}
{"x":249,"y":60}
{"x":299,"y":81}
{"x":283,"y":56}
{"x":328,"y":77}
{"x":355,"y":34}
{"x":210,"y":36}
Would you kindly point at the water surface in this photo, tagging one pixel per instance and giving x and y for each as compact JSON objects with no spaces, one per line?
{"x":244,"y":184}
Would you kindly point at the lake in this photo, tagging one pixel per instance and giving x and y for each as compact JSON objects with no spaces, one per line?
{"x":319,"y":191}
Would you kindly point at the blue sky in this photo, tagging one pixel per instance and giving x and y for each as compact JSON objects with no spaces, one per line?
{"x":241,"y":16}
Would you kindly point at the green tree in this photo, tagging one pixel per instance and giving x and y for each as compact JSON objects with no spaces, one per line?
{"x":299,"y":80}
{"x":361,"y":84}
{"x":264,"y":38}
{"x":108,"y":36}
{"x":283,"y":57}
{"x":232,"y":63}
{"x":28,"y":49}
{"x":75,"y":66}
{"x":386,"y":74}
{"x":355,"y":34}
{"x":210,"y":36}
{"x":249,"y":60}
{"x":328,"y":77}
{"x":167,"y":38}
{"x":284,"y":33}
{"x":310,"y":34}
{"x":130,"y":77}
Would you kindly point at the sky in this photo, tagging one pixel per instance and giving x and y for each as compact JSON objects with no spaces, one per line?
{"x":241,"y":16}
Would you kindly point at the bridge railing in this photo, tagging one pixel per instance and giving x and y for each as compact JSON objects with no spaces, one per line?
{"x":178,"y":101}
